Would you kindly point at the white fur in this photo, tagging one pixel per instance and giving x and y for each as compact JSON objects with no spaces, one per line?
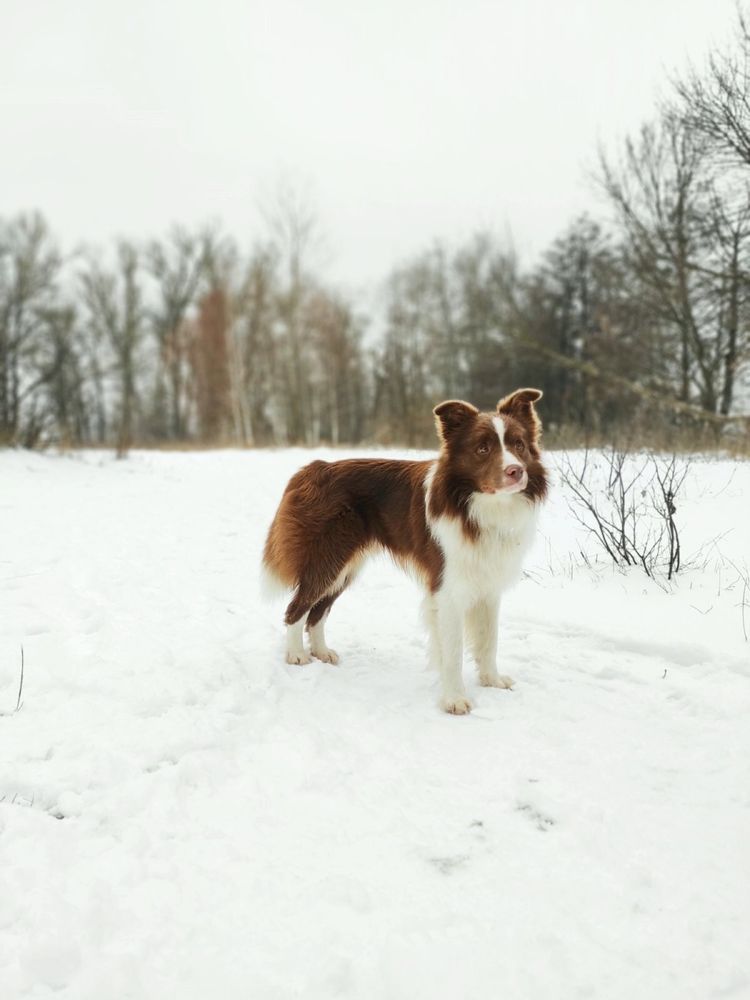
{"x":509,"y":458}
{"x":271,"y":585}
{"x":483,"y":568}
{"x":481,"y":632}
{"x":500,"y":428}
{"x":475,"y":574}
{"x":318,"y":646}
{"x":295,"y":646}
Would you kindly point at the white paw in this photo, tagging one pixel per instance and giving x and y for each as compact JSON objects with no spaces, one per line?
{"x":326,"y":655}
{"x":496,"y":681}
{"x":299,"y":659}
{"x":456,"y":706}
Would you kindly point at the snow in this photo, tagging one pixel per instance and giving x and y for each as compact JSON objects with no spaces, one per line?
{"x":185,"y":815}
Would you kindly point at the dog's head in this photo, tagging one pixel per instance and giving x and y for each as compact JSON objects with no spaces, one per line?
{"x":497,"y":453}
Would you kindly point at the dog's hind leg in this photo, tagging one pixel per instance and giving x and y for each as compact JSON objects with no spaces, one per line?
{"x":295,"y":619}
{"x":310,"y":605}
{"x":316,"y":627}
{"x":295,"y":646}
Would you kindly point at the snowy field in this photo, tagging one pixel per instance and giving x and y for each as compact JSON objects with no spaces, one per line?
{"x":183,"y":815}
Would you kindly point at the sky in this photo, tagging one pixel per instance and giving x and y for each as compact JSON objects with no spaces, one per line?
{"x":399,"y":122}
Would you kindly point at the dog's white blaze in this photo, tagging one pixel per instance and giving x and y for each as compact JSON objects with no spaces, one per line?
{"x":509,"y":458}
{"x":500,"y":428}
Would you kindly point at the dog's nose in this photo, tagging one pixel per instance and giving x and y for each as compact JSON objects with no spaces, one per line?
{"x":513,"y":472}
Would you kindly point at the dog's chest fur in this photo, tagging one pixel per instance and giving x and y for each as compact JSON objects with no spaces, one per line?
{"x":482,"y":568}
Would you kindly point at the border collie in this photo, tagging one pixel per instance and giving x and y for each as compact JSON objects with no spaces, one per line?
{"x":461,"y":524}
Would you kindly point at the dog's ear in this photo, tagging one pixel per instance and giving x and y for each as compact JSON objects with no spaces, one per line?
{"x":451,"y":415}
{"x":520,"y":404}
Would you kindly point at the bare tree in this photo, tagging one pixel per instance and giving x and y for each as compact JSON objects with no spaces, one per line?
{"x":579,"y":305}
{"x":209,"y":359}
{"x":113,"y":301}
{"x":253,"y":348}
{"x":726,"y":277}
{"x":294,"y":237}
{"x":60,"y":383}
{"x":660,"y":192}
{"x":29,"y":269}
{"x":178,"y":265}
{"x":404,"y":371}
{"x":341,"y":390}
{"x":715,"y":102}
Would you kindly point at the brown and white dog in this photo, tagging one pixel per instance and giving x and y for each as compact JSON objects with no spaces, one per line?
{"x":462,"y":524}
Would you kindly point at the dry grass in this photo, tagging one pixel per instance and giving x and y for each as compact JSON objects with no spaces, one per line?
{"x":641,"y":433}
{"x":687,"y":440}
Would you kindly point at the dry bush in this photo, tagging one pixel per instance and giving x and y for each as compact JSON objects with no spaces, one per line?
{"x":628,"y":504}
{"x":658,"y":432}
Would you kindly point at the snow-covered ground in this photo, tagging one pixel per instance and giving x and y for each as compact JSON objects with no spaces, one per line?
{"x":183,"y":815}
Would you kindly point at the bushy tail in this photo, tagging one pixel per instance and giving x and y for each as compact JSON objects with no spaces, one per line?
{"x":271,"y":584}
{"x":279,"y":574}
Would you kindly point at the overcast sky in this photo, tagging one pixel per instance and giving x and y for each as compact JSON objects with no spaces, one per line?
{"x":406,"y":120}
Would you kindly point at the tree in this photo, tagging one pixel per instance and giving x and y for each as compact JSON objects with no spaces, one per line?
{"x":341,"y":392}
{"x":660,"y":192}
{"x":578,"y":305}
{"x":178,"y":266}
{"x":293,"y":231}
{"x":209,"y":359}
{"x":726,"y":277}
{"x":29,"y":270}
{"x":253,"y":349}
{"x":61,"y":389}
{"x":715,"y":103}
{"x":113,"y":301}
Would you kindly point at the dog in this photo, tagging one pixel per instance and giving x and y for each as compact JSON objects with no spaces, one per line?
{"x":461,"y":524}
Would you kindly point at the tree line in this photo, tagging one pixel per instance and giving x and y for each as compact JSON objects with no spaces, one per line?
{"x":634,"y":323}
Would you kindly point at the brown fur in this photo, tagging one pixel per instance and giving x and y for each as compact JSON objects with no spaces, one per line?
{"x":462,"y":470}
{"x":332,"y":514}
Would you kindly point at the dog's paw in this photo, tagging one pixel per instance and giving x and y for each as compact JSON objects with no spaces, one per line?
{"x":326,"y":655}
{"x":298,"y":659}
{"x":456,"y":706}
{"x":496,"y":681}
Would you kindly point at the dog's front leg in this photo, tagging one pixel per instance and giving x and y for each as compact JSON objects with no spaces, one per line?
{"x":481,"y":631}
{"x":449,"y":631}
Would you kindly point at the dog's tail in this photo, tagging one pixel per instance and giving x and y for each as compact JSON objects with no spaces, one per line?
{"x":271,"y":584}
{"x":274,"y":582}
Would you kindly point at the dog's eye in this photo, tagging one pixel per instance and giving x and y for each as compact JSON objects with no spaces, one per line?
{"x":519,"y":447}
{"x":483,"y":448}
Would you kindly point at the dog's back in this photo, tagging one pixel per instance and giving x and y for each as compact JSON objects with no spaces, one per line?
{"x":332,"y":515}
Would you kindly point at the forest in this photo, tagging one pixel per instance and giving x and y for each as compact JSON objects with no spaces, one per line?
{"x":634,"y":321}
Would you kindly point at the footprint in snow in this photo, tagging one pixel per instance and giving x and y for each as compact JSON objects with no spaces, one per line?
{"x":540,"y":819}
{"x":447,"y":865}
